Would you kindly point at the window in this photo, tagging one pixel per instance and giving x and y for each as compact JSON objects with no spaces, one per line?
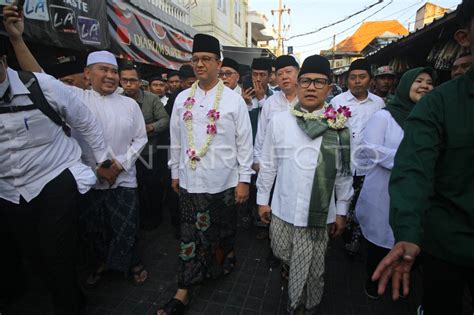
{"x":221,"y":5}
{"x":237,"y":12}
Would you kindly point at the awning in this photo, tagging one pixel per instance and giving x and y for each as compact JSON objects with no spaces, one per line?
{"x":65,"y":24}
{"x":138,"y":36}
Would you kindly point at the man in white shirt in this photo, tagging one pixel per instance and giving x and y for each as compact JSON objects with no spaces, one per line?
{"x":287,"y":72}
{"x":311,"y":164}
{"x":42,"y":175}
{"x":211,"y":159}
{"x":363,"y":105}
{"x":229,"y":74}
{"x":109,"y":219}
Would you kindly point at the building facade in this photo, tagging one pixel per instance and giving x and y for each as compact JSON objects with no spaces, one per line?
{"x":223,"y":19}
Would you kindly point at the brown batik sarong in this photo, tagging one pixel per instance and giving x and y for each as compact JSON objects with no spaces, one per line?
{"x":208,"y":227}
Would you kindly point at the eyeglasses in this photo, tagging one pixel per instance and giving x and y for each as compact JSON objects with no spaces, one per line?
{"x":318,"y":82}
{"x":227,"y":74}
{"x":205,"y":59}
{"x":129,"y":80}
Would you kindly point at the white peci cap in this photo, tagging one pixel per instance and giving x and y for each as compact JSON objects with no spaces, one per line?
{"x":101,"y":56}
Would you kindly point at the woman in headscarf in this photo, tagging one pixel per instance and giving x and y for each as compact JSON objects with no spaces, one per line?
{"x":382,"y":136}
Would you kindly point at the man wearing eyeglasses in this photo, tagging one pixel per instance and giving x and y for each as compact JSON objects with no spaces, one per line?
{"x":150,"y":194}
{"x":229,"y":74}
{"x":211,"y":160}
{"x":304,"y":161}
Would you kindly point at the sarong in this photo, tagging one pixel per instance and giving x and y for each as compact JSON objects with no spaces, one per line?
{"x":303,"y":249}
{"x":352,"y":235}
{"x":208,"y":227}
{"x":109,"y":224}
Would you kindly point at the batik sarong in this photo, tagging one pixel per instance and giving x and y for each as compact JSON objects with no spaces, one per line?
{"x":352,"y":235}
{"x":208,"y":227}
{"x":109,"y":224}
{"x":303,"y":249}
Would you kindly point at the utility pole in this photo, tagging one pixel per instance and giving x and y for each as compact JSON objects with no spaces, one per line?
{"x":281,"y":9}
{"x":333,"y":50}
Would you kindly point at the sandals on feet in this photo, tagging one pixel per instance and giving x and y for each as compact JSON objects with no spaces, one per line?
{"x":94,"y":279}
{"x":229,"y":264}
{"x":139,"y":275}
{"x":173,"y":307}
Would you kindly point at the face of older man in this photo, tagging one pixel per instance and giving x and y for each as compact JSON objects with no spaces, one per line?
{"x":229,"y":76}
{"x":206,"y":66}
{"x":286,"y":78}
{"x":104,"y":77}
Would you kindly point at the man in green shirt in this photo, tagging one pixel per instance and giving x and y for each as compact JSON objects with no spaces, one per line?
{"x":149,"y":165}
{"x":432,"y":192}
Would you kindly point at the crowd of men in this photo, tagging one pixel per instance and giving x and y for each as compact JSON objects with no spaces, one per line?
{"x":94,"y":154}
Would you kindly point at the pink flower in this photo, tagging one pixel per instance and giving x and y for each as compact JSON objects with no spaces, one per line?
{"x":192,"y":155}
{"x":345,"y":111}
{"x":211,"y":129}
{"x":189,"y":102}
{"x":213,"y":114}
{"x":330,"y":112}
{"x":188,"y":115}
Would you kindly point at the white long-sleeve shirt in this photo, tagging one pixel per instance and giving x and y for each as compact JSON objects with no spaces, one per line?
{"x":361,"y":111}
{"x":34,"y":150}
{"x":274,"y":104}
{"x":381,"y":140}
{"x":229,"y":158}
{"x":123,"y":126}
{"x":291,"y":156}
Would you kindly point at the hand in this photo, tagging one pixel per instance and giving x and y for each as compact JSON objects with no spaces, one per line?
{"x":241,"y":192}
{"x":264,"y":213}
{"x":175,"y":185}
{"x":396,"y":265}
{"x":13,"y":22}
{"x":149,"y":128}
{"x":259,"y":90}
{"x":247,"y":95}
{"x":116,"y":167}
{"x":336,"y":228}
{"x":256,"y":167}
{"x":106,"y":174}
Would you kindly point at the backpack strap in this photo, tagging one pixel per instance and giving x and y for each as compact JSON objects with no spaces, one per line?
{"x":39,"y":100}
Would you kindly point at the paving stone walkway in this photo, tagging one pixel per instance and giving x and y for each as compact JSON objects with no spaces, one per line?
{"x":251,"y":289}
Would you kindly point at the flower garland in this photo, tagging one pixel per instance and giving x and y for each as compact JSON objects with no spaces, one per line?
{"x":213,"y":115}
{"x":336,"y":119}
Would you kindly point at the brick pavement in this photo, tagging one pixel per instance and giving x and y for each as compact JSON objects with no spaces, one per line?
{"x":251,"y":289}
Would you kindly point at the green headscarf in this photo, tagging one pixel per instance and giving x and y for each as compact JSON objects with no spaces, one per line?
{"x":401,"y":105}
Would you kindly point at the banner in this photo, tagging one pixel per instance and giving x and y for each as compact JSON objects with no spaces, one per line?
{"x":138,"y":36}
{"x":72,"y":24}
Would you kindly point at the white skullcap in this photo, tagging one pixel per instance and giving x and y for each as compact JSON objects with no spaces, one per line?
{"x":101,"y":56}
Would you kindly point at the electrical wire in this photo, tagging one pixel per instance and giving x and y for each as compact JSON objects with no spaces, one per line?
{"x":337,"y":22}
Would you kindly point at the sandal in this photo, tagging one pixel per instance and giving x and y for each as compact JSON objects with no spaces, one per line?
{"x":173,"y":307}
{"x":94,"y":278}
{"x":229,"y":264}
{"x":139,"y":275}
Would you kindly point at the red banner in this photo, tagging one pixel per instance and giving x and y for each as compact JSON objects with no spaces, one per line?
{"x":140,"y":37}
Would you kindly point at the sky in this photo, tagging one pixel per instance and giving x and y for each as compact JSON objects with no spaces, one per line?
{"x":307,"y":15}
